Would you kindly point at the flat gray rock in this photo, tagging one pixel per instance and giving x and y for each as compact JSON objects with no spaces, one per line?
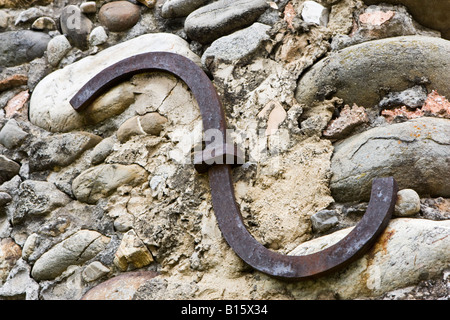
{"x":240,"y":45}
{"x":415,"y":153}
{"x":359,"y":74}
{"x":221,"y":18}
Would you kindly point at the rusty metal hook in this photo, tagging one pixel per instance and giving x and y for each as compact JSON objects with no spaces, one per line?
{"x":358,"y":241}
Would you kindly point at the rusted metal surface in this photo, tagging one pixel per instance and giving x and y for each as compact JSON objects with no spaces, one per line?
{"x":213,"y":116}
{"x":218,"y":154}
{"x":361,"y":238}
{"x":379,"y":211}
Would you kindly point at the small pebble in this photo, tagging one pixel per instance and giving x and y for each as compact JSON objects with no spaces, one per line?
{"x":57,"y":48}
{"x":324,"y":220}
{"x":44,"y":23}
{"x":314,"y":12}
{"x":408,"y":203}
{"x":88,"y":7}
{"x":98,"y":36}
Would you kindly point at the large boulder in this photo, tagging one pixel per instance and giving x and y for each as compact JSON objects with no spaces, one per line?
{"x":49,"y":103}
{"x":361,"y":73}
{"x":220,"y":18}
{"x":416,"y":153}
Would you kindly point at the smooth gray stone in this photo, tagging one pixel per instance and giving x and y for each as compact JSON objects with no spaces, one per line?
{"x":416,"y":153}
{"x":361,"y":73}
{"x":21,"y":46}
{"x":221,"y":18}
{"x":180,"y":8}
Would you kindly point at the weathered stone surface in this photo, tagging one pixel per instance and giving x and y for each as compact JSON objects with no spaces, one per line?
{"x":100,"y":181}
{"x":221,"y":18}
{"x":408,"y":203}
{"x":98,"y":36}
{"x":395,"y":63}
{"x":19,"y":284}
{"x":412,"y":97}
{"x":16,"y":104}
{"x":88,"y":7}
{"x":94,"y":271}
{"x":5,"y":198}
{"x":379,"y":22}
{"x":75,"y":250}
{"x":8,"y":169}
{"x":324,"y":220}
{"x":434,"y":105}
{"x":11,"y":135}
{"x":21,"y":4}
{"x":348,"y":119}
{"x":180,"y":8}
{"x":132,"y":253}
{"x":432,"y":14}
{"x":4,"y":18}
{"x":13,"y":81}
{"x":415,"y":153}
{"x":122,"y":287}
{"x":44,"y":23}
{"x":57,"y":48}
{"x":151,"y":123}
{"x":75,"y":25}
{"x":148,"y":3}
{"x":10,"y":252}
{"x":21,"y":46}
{"x":239,"y":46}
{"x":60,"y":149}
{"x":102,"y":150}
{"x":437,"y":105}
{"x":38,"y":198}
{"x":60,"y":86}
{"x":408,"y":250}
{"x":119,"y":16}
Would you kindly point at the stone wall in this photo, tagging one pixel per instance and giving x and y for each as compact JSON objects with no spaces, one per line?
{"x":322,"y":96}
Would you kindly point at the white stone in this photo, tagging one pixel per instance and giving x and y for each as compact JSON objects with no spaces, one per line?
{"x":19,"y":283}
{"x":406,"y":250}
{"x":60,"y":86}
{"x":314,"y":12}
{"x":98,"y":36}
{"x":408,"y":203}
{"x":57,"y":48}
